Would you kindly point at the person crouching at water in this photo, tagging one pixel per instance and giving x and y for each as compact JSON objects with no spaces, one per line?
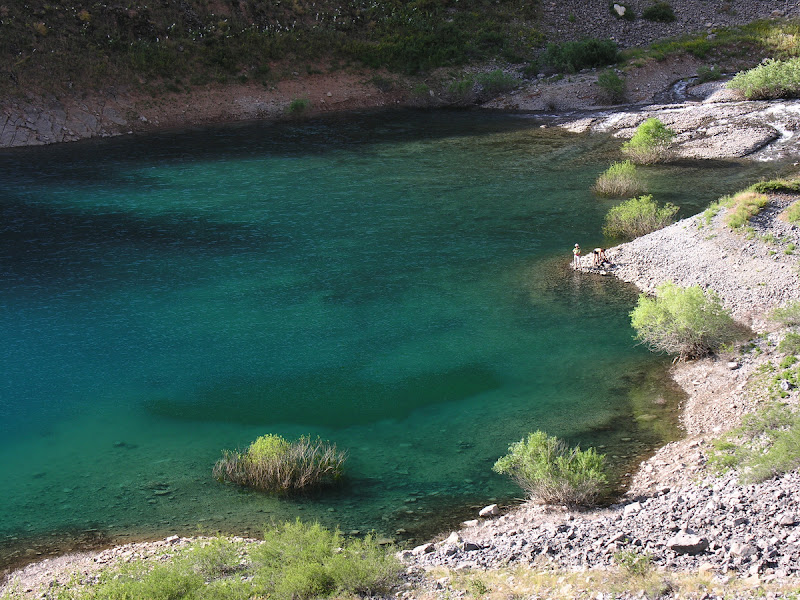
{"x":576,"y":257}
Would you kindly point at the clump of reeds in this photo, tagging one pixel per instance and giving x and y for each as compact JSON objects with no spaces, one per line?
{"x":274,"y":465}
{"x":620,"y":180}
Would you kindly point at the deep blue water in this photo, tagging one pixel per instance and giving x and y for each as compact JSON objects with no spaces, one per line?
{"x":395,"y":283}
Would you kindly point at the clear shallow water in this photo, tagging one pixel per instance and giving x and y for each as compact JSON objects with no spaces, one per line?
{"x":398,"y":284}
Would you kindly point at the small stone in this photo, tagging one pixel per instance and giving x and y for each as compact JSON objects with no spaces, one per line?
{"x":733,"y":365}
{"x":742,"y":550}
{"x":470,"y":523}
{"x":489,"y":511}
{"x":632,"y":508}
{"x":422,"y":549}
{"x":787,"y":519}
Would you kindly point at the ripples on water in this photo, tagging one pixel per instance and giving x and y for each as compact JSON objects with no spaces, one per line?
{"x":396,"y":283}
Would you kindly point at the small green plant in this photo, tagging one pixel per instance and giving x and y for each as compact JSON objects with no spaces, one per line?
{"x":706,"y":74}
{"x":272,"y":464}
{"x":687,"y":322}
{"x":650,"y":143}
{"x":299,"y":105}
{"x":789,"y":250}
{"x":619,"y":180}
{"x":660,"y":11}
{"x":612,"y":86}
{"x":497,"y":82}
{"x":462,"y":89}
{"x":791,"y":186}
{"x":769,"y":80}
{"x":637,"y":217}
{"x":745,"y":205}
{"x":551,"y":472}
{"x":634,"y":563}
{"x":571,"y":57}
{"x":478,"y":587}
{"x":421,"y":90}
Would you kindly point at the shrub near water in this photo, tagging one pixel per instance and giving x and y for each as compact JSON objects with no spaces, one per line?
{"x":552,"y":473}
{"x":638,"y":216}
{"x":771,"y":79}
{"x":587,"y":54}
{"x":272,"y":464}
{"x":620,"y":179}
{"x":650,"y":143}
{"x":687,"y":322}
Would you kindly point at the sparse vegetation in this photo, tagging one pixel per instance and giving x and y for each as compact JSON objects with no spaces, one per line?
{"x":743,"y":207}
{"x":793,"y":213}
{"x":788,"y":315}
{"x":298,"y":106}
{"x":771,"y":79}
{"x":637,"y":217}
{"x":272,"y":464}
{"x":767,"y":444}
{"x":496,"y":82}
{"x":650,"y":143}
{"x":706,"y":74}
{"x":551,"y":472}
{"x":619,"y":180}
{"x":687,"y":322}
{"x":776,"y":186}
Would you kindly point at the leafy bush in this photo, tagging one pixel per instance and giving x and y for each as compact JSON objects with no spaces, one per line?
{"x":497,"y":82}
{"x":612,"y":86}
{"x":552,"y":473}
{"x":571,"y":57}
{"x":688,"y":322}
{"x":745,"y":205}
{"x":637,"y":217}
{"x":272,"y":464}
{"x":660,"y":11}
{"x":619,"y":180}
{"x":788,"y":315}
{"x":650,"y":143}
{"x":771,"y":79}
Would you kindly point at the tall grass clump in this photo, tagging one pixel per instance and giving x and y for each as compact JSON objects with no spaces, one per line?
{"x":744,"y":206}
{"x":793,"y":213}
{"x":619,"y":180}
{"x":771,"y":79}
{"x":275,"y":465}
{"x":551,"y":472}
{"x":650,"y":143}
{"x":571,"y":57}
{"x":687,"y":322}
{"x":637,"y":217}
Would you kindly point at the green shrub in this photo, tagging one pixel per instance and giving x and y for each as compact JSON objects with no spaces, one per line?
{"x":552,"y":473}
{"x":299,"y":106}
{"x":745,"y":205}
{"x":771,"y":79}
{"x":687,"y":322}
{"x":612,"y":86}
{"x":705,"y":74}
{"x":421,"y":90}
{"x":497,"y":82}
{"x":571,"y":57}
{"x":793,"y":213}
{"x":650,"y":143}
{"x":660,"y":11}
{"x":272,"y":464}
{"x":461,"y":89}
{"x":633,"y":563}
{"x":619,"y":180}
{"x":788,"y":315}
{"x":637,"y":217}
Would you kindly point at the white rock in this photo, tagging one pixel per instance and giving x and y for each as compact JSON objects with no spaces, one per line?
{"x":489,"y":511}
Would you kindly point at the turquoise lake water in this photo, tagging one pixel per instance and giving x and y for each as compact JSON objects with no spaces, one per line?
{"x":396,"y":283}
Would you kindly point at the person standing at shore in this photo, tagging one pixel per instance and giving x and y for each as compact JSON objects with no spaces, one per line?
{"x":576,"y":257}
